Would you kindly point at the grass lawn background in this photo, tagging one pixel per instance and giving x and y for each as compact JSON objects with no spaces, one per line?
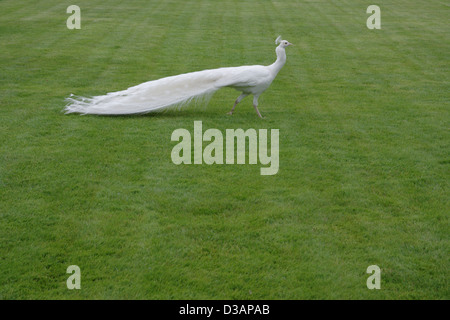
{"x":364,"y":153}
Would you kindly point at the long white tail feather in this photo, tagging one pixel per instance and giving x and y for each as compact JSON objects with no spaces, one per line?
{"x":156,"y":95}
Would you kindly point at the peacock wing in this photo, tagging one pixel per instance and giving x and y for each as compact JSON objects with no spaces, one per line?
{"x":241,"y":77}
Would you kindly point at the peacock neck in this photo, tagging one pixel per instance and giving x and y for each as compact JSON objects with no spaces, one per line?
{"x":281,"y":60}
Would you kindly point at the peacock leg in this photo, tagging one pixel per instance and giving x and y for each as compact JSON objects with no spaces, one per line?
{"x":255,"y":105}
{"x":242,"y":96}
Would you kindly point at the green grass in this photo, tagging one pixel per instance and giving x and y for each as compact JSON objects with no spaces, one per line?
{"x":364,"y":153}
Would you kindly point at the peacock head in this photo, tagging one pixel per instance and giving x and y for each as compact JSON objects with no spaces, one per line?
{"x":283,"y":43}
